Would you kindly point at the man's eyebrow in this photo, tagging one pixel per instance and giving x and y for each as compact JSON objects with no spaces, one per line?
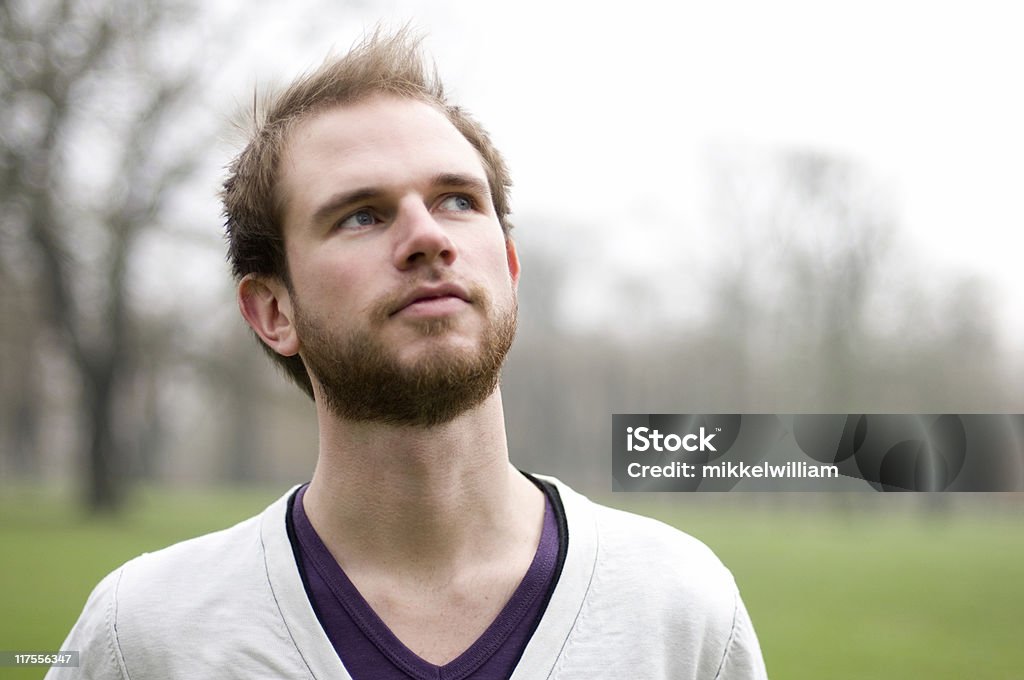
{"x":445,"y":179}
{"x":460,"y":181}
{"x":342,"y":199}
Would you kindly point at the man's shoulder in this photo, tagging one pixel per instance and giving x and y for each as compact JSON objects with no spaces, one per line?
{"x":635,"y":533}
{"x":645,"y":575}
{"x":160,"y":609}
{"x":204,"y":571}
{"x":214,"y":556}
{"x":629,"y":539}
{"x":641,"y":559}
{"x":666,"y":559}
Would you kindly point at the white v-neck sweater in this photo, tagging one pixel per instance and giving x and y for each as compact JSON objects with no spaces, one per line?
{"x":636,"y":599}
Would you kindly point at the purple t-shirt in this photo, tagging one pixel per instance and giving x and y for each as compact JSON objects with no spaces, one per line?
{"x":368,"y":648}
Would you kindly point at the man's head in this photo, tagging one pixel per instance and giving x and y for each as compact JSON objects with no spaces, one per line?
{"x":367,"y":222}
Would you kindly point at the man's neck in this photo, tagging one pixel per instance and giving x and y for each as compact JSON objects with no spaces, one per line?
{"x":421,"y":500}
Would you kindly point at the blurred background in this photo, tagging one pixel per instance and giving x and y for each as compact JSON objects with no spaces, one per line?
{"x":727,"y":208}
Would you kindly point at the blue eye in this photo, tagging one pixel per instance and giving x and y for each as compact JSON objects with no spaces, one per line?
{"x":357,"y":220}
{"x":457,"y":203}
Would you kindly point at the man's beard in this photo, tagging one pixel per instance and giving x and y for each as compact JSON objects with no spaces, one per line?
{"x":361,"y":379}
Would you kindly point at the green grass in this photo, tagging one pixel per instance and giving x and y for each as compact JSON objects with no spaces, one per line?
{"x":897,"y":592}
{"x":886,"y":593}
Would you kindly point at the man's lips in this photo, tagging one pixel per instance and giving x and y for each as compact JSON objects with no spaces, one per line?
{"x":430,"y":299}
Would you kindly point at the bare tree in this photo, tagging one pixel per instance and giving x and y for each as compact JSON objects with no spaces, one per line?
{"x":808,"y":235}
{"x":91,"y":143}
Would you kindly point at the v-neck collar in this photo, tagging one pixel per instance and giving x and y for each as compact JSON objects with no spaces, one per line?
{"x":519,"y":611}
{"x":542,"y":651}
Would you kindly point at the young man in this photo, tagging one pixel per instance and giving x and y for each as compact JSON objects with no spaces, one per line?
{"x":368,"y":230}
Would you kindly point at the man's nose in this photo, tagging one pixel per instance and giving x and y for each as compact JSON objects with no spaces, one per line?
{"x":421,"y":239}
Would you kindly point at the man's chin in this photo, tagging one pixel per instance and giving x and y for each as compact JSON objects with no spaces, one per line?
{"x":417,"y":374}
{"x":422,"y":389}
{"x":401,"y":331}
{"x":445,"y":348}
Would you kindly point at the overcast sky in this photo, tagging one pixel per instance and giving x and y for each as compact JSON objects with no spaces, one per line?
{"x":607,"y":116}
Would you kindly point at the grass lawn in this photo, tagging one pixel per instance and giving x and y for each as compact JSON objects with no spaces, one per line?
{"x":887,"y":592}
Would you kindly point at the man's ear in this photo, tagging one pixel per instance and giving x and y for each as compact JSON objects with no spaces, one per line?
{"x":266,"y":305}
{"x":513,"y":262}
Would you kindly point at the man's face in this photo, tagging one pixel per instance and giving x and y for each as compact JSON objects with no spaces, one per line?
{"x":402,"y":282}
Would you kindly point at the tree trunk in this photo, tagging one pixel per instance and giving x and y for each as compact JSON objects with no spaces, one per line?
{"x":103,"y":458}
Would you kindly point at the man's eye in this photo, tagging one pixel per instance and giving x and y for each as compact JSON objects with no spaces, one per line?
{"x":357,"y":220}
{"x":457,"y":203}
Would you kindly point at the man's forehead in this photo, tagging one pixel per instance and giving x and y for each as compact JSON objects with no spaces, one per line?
{"x":380,"y":140}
